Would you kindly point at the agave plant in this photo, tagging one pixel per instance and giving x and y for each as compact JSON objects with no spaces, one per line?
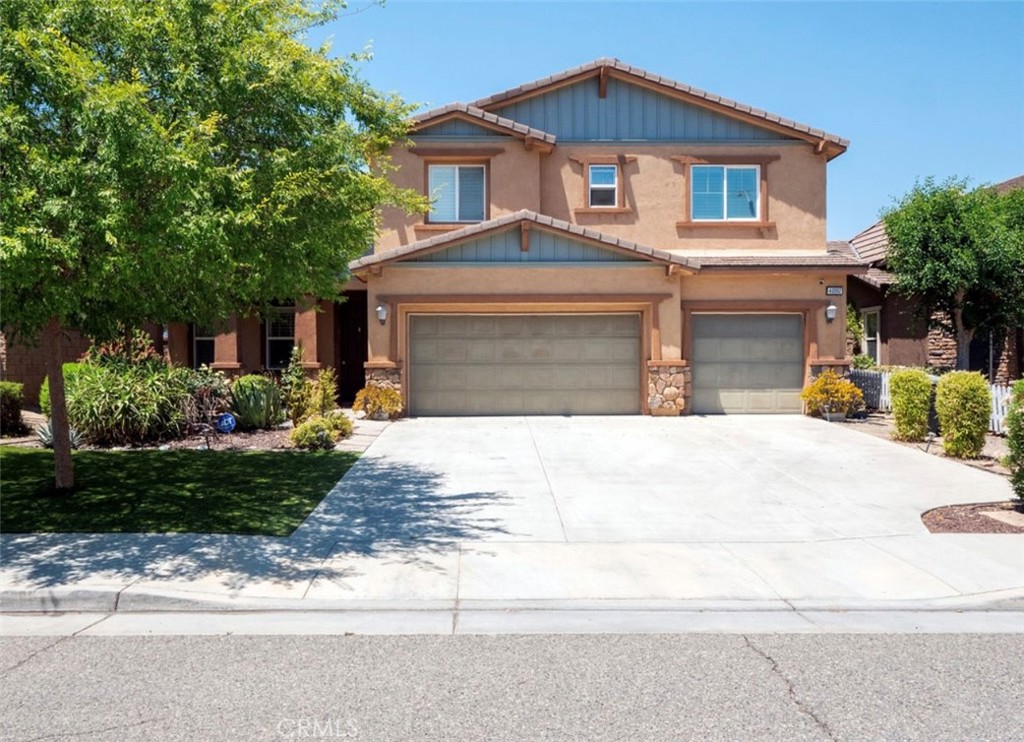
{"x":45,"y":434}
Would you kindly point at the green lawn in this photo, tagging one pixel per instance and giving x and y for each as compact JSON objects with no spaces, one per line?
{"x":250,"y":492}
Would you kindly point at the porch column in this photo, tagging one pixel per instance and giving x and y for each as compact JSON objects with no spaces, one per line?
{"x":227,"y":354}
{"x":305,"y":333}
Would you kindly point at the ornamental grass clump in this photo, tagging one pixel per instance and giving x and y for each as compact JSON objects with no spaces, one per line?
{"x":831,"y":394}
{"x":911,"y":392}
{"x":1015,"y":438}
{"x":963,"y":402}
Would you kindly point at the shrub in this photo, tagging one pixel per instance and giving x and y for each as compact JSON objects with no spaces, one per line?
{"x":324,"y":396}
{"x":10,"y":408}
{"x":964,"y":404}
{"x":321,"y":432}
{"x":1015,"y":436}
{"x":296,"y":389}
{"x":830,"y":392}
{"x":71,"y":373}
{"x":209,"y":395}
{"x":134,"y":350}
{"x":911,"y":391}
{"x":128,"y":405}
{"x":378,"y":402}
{"x":861,"y":361}
{"x":45,"y":435}
{"x":256,"y":402}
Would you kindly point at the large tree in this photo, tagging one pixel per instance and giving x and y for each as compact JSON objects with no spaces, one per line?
{"x":960,"y":253}
{"x":178,"y":160}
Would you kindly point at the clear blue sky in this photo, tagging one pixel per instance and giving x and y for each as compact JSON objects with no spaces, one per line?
{"x":918,"y":88}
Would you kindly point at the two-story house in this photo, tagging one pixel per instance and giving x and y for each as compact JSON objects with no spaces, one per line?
{"x":606,"y":240}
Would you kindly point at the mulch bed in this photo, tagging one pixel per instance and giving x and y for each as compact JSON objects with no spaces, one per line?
{"x":969,"y":518}
{"x":261,"y":440}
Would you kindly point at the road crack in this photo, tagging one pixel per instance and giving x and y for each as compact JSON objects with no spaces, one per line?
{"x":791,"y":689}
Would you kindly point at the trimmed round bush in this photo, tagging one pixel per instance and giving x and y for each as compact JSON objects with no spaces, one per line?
{"x":321,"y":432}
{"x":256,"y":402}
{"x":911,"y":392}
{"x":1015,"y":438}
{"x":964,"y":404}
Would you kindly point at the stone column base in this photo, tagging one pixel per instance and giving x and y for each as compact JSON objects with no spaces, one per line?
{"x":389,"y":376}
{"x":668,"y":387}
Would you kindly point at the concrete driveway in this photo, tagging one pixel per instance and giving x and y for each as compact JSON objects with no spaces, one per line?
{"x":629,"y":512}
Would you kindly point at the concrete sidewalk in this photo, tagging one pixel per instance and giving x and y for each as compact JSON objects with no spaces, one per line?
{"x":465,"y":517}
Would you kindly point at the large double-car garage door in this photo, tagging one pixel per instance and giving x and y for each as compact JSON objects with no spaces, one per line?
{"x":534,"y":364}
{"x":747,"y":362}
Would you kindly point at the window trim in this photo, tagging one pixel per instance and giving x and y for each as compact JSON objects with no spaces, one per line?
{"x":194,"y":330}
{"x":267,"y":337}
{"x":763,"y":222}
{"x":459,"y":162}
{"x":877,"y":311}
{"x":619,"y":161}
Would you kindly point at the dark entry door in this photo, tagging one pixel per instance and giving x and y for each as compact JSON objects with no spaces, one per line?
{"x":350,"y":345}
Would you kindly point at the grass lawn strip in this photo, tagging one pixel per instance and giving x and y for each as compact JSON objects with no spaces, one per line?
{"x":265,"y":493}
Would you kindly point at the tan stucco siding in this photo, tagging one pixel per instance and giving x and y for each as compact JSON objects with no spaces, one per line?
{"x":654,"y":192}
{"x":521,"y":287}
{"x":513,"y":183}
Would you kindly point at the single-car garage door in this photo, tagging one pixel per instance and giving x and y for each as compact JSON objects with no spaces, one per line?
{"x":747,"y":362}
{"x":550,"y":364}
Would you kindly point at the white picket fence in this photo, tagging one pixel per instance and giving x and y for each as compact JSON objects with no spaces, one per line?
{"x":878,"y":383}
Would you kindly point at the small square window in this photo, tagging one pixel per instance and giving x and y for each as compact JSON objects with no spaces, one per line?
{"x":604,"y":186}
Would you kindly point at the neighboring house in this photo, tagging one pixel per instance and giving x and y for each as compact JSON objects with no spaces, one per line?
{"x":606,"y":240}
{"x":603,"y":240}
{"x":896,"y":336}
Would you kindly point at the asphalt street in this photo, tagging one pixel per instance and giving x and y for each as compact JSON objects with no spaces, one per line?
{"x":602,"y":687}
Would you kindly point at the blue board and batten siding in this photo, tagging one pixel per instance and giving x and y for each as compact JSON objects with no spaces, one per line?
{"x":505,"y":247}
{"x":627,"y":113}
{"x":457,"y":128}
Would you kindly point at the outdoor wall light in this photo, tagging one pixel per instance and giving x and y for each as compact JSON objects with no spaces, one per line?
{"x":830,"y":312}
{"x":382,"y":312}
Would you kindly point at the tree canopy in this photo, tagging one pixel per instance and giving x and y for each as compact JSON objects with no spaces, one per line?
{"x":960,"y":253}
{"x":180,"y":160}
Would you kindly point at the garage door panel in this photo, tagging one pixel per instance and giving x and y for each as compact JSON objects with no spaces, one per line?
{"x":747,"y":363}
{"x":524,"y":364}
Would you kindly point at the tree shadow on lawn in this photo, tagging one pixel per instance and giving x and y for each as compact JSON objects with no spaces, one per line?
{"x":388,"y":512}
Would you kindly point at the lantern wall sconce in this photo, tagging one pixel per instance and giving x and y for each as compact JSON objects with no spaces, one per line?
{"x":830,"y":312}
{"x":382,"y":312}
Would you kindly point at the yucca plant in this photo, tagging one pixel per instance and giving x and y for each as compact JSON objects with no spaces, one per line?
{"x":256,"y":402}
{"x":45,"y":435}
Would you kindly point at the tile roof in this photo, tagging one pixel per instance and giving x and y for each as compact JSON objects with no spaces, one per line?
{"x":1009,"y":185}
{"x":510,"y":219}
{"x":718,"y":101}
{"x":514,"y":127}
{"x":872,"y":243}
{"x":878,"y":278}
{"x":829,"y":260}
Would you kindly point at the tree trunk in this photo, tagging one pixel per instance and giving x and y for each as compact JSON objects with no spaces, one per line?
{"x":963,"y":337}
{"x":63,"y":468}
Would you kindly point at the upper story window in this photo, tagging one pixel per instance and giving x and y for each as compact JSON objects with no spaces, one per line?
{"x":725,"y":193}
{"x":458,"y":192}
{"x":202,"y":346}
{"x":279,"y":327}
{"x":604,"y":186}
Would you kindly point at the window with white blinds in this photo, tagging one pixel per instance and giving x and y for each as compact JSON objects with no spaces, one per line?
{"x":457,"y":192}
{"x":722,"y":192}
